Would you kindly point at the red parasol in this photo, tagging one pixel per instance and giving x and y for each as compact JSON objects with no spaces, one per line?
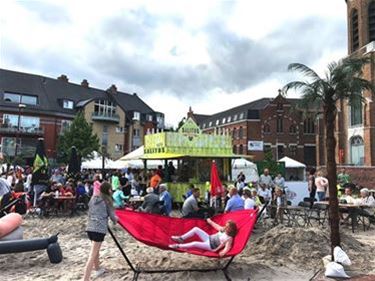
{"x":216,"y":186}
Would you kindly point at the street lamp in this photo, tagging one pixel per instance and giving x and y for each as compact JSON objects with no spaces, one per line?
{"x":20,"y":107}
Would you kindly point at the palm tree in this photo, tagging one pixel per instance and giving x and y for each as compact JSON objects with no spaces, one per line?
{"x":342,"y":81}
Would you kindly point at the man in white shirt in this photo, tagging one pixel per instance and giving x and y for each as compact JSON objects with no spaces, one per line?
{"x":265,"y":193}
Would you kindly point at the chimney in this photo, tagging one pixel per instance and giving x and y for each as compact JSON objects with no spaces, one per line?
{"x":112,"y":89}
{"x":134,"y":94}
{"x":63,"y":78}
{"x":190,"y":113}
{"x":85,"y":83}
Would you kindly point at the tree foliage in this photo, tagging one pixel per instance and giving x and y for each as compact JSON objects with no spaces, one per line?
{"x":80,"y":135}
{"x":342,"y":82}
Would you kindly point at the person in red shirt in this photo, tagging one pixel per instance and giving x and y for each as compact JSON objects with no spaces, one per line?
{"x":155,"y":180}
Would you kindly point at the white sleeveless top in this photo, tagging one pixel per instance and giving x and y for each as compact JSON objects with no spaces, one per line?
{"x":217,"y":239}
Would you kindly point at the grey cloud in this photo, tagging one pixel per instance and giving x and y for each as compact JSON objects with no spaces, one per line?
{"x":48,"y":12}
{"x":236,"y":62}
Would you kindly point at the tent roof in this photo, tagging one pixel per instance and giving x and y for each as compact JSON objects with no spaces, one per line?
{"x":134,"y":155}
{"x":291,"y":163}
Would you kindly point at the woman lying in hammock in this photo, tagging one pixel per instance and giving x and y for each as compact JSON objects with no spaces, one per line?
{"x":222,"y":239}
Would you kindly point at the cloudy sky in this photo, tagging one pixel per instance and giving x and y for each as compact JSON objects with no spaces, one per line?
{"x":211,"y":55}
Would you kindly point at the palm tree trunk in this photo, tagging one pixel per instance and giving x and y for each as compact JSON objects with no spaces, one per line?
{"x":329,"y":119}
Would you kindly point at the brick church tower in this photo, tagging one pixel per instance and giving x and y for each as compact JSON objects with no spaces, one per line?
{"x":355,"y":123}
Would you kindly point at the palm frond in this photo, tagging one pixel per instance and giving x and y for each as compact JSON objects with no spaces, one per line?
{"x":304,"y":69}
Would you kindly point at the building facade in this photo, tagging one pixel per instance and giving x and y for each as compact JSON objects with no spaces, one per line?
{"x":267,"y":124}
{"x":355,"y":123}
{"x":33,"y":106}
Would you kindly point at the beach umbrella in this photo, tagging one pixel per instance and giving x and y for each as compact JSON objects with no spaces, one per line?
{"x":74,"y":166}
{"x":40,"y":165}
{"x":216,"y":186}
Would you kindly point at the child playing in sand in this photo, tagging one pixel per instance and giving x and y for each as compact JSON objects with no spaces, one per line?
{"x":100,"y":208}
{"x":222,"y":239}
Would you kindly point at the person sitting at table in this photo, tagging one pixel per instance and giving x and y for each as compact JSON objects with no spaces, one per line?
{"x":155,"y":180}
{"x":189,"y":192}
{"x":347,"y":197}
{"x":235,"y":203}
{"x":150,"y":203}
{"x":190,"y":207}
{"x":264,"y":192}
{"x":254,"y":195}
{"x":118,"y":198}
{"x":249,"y":202}
{"x":166,"y":198}
{"x":366,"y":199}
{"x":69,"y":190}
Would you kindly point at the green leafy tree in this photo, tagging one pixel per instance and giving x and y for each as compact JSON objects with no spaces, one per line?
{"x":80,"y":135}
{"x":342,"y":81}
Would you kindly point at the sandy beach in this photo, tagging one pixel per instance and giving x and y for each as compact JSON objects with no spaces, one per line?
{"x":279,"y":253}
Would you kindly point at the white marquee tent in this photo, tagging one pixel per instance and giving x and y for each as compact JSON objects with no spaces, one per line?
{"x":294,"y":169}
{"x":248,"y":168}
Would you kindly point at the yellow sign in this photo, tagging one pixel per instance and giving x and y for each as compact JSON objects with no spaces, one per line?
{"x":188,"y":141}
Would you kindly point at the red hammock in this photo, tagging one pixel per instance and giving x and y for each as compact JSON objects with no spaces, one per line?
{"x":156,"y":230}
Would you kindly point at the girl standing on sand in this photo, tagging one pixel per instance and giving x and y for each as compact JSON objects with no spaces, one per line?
{"x":100,"y":208}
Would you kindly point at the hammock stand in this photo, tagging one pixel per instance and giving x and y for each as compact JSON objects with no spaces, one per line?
{"x":138,"y":270}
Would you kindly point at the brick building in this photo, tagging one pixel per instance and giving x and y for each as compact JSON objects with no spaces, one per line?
{"x":266,"y":124}
{"x":355,"y":123}
{"x":33,"y":106}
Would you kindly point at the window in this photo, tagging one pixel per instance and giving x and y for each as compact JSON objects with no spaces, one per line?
{"x":223,"y":122}
{"x":210,"y":124}
{"x":266,"y":128}
{"x":105,"y":108}
{"x":136,"y":132}
{"x":240,"y":133}
{"x":241,"y":149}
{"x":204,"y":126}
{"x":27,"y":123}
{"x":217,"y":122}
{"x":33,"y":100}
{"x":371,"y":22}
{"x":279,"y":124}
{"x":266,"y":148}
{"x":105,"y":135}
{"x":118,"y":147}
{"x":293,"y":129}
{"x":293,"y":150}
{"x":136,"y":115}
{"x":8,"y":146}
{"x":119,"y":129}
{"x":279,"y":106}
{"x":234,"y":149}
{"x":354,"y":28}
{"x":234,"y":133}
{"x":9,"y":97}
{"x":356,"y":112}
{"x":357,"y":150}
{"x":65,"y":125}
{"x":149,"y":117}
{"x":68,"y":104}
{"x":241,"y":116}
{"x":280,"y":152}
{"x":235,"y":117}
{"x":308,"y":126}
{"x":18,"y":98}
{"x":229,"y":119}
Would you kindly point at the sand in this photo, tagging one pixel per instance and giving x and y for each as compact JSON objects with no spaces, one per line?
{"x":279,"y":253}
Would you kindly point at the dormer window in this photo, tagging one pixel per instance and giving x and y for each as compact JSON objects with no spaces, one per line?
{"x":210,"y":124}
{"x":149,"y":117}
{"x":136,"y":116}
{"x":217,"y":122}
{"x":20,"y":98}
{"x":223,"y":121}
{"x":241,"y":116}
{"x":235,"y":118}
{"x":68,"y":104}
{"x":229,"y":119}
